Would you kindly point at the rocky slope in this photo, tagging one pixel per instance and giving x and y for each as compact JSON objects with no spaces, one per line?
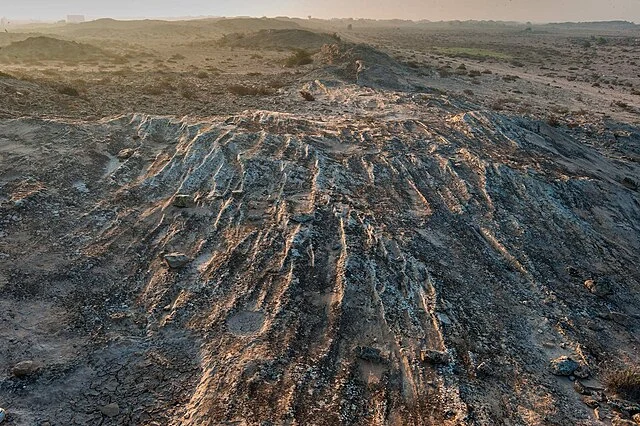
{"x":389,"y":259}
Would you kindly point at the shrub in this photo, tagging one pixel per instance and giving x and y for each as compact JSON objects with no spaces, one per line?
{"x":444,"y":72}
{"x":624,"y":381}
{"x":307,"y":96}
{"x":202,"y":74}
{"x":68,"y":90}
{"x":298,"y":58}
{"x":553,"y":121}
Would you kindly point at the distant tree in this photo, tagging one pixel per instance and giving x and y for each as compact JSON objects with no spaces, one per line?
{"x":350,"y":27}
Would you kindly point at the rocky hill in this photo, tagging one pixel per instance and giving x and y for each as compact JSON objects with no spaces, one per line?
{"x":399,"y":259}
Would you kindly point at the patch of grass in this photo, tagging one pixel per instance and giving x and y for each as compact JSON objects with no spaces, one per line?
{"x":298,"y":58}
{"x":240,"y":90}
{"x":500,"y":103}
{"x":472,"y":53}
{"x":624,"y":381}
{"x":158,"y":88}
{"x":444,"y":72}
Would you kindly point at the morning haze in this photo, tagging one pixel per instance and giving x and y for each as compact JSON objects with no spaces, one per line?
{"x":519,"y":10}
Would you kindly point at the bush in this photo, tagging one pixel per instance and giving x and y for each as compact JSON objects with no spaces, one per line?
{"x":553,"y":121}
{"x":298,"y":58}
{"x":444,"y":72}
{"x":625,"y":382}
{"x":68,"y":90}
{"x":202,"y":74}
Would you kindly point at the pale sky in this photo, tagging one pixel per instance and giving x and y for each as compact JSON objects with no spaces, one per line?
{"x":520,"y":10}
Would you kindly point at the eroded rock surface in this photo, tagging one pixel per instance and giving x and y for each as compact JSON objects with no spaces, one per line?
{"x":420,"y":263}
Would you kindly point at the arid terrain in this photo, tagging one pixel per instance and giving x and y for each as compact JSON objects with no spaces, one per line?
{"x":304,"y":222}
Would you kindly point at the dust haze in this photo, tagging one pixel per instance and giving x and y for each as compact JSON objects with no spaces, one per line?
{"x":433,"y":10}
{"x":305,"y":221}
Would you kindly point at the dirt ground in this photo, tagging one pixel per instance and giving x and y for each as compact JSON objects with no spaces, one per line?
{"x":184,"y":239}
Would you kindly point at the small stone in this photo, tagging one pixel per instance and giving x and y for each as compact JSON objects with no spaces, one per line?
{"x":110,"y":410}
{"x":302,"y":218}
{"x":126,"y":153}
{"x":484,"y":369}
{"x":582,"y":372}
{"x":630,"y":183}
{"x":579,"y":387}
{"x":563,"y":366}
{"x":183,"y":201}
{"x":444,"y":318}
{"x":369,"y":354}
{"x":600,"y":288}
{"x":176,"y":260}
{"x":601,"y":414}
{"x":25,"y":369}
{"x":590,"y":402}
{"x":435,"y":357}
{"x":307,"y":96}
{"x":3,"y":415}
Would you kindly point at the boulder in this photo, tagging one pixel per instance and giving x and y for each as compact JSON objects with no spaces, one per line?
{"x":176,"y":260}
{"x":563,"y":366}
{"x":25,"y":369}
{"x":600,"y":288}
{"x":369,"y":354}
{"x":183,"y":201}
{"x":582,"y":372}
{"x":110,"y":410}
{"x":126,"y":153}
{"x":435,"y":357}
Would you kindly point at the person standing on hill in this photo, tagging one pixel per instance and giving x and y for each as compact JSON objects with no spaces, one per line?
{"x":359,"y":70}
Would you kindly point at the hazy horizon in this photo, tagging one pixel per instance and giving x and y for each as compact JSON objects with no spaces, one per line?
{"x":434,"y":10}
